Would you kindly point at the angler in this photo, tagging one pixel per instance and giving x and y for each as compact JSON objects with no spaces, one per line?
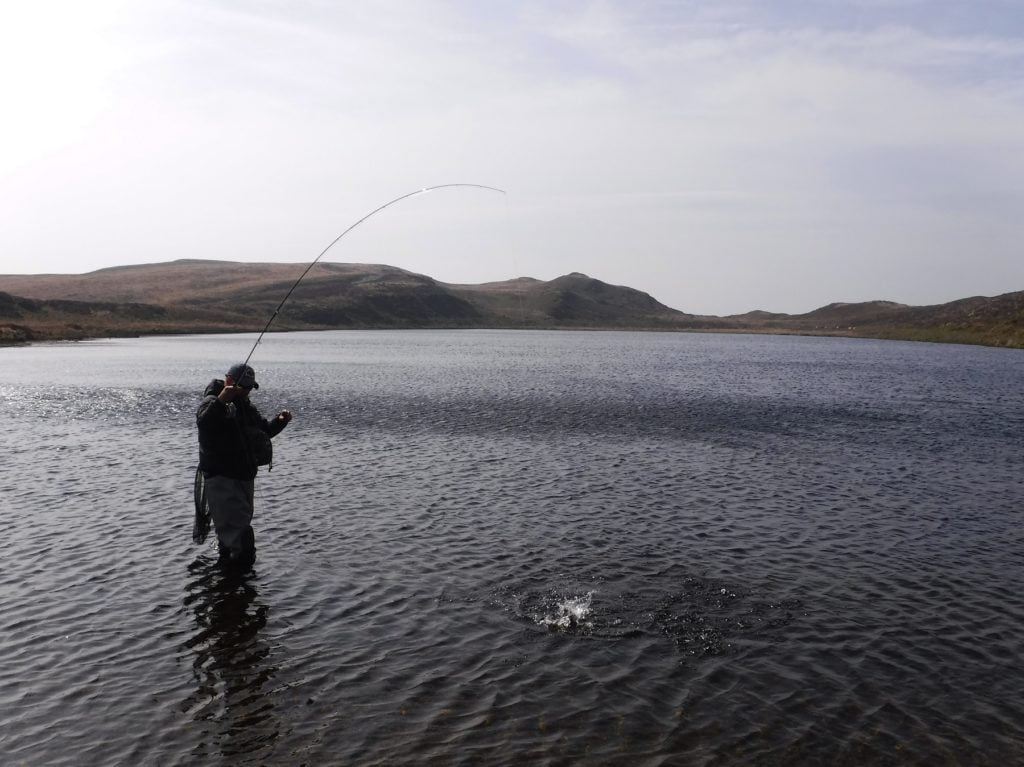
{"x":234,"y":441}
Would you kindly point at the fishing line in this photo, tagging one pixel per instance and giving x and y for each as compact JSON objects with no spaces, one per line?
{"x":333,"y":242}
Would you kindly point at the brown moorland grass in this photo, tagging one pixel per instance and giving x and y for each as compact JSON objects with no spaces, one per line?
{"x":190,"y":296}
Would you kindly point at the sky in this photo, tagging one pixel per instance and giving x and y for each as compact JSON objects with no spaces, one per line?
{"x":722,"y":156}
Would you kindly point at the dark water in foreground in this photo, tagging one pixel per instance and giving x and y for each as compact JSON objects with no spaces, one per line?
{"x":521,"y":548}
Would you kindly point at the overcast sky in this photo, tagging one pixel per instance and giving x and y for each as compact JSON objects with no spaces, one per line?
{"x":722,"y":155}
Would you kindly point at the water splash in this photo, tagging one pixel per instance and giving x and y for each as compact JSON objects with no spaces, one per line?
{"x":570,"y":615}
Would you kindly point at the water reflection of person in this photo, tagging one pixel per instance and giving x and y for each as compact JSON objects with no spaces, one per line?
{"x":233,"y":666}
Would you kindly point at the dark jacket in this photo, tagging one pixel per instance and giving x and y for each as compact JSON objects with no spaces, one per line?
{"x":232,"y":436}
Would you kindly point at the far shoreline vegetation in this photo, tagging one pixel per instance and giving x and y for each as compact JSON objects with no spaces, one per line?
{"x":196,"y":297}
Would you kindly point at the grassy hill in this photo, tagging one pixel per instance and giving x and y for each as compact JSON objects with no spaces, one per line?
{"x":219,"y":296}
{"x":191,"y":296}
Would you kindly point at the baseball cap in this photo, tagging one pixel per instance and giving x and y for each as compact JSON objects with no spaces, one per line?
{"x":244,"y":376}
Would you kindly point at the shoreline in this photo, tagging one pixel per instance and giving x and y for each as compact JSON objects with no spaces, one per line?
{"x":963,"y":337}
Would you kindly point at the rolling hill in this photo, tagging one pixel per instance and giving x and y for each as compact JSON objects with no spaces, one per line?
{"x":192,"y":296}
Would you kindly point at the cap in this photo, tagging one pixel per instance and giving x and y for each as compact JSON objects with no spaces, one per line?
{"x":244,"y":376}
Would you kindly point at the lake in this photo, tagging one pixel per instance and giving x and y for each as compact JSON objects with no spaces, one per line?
{"x":514,"y":547}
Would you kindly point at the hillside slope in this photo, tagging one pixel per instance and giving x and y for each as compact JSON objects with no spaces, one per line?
{"x":189,"y":296}
{"x":195,"y":296}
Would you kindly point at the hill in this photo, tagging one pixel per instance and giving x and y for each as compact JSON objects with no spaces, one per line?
{"x":192,"y":296}
{"x":997,"y":321}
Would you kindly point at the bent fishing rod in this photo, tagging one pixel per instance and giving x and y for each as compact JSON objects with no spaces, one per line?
{"x":336,"y":239}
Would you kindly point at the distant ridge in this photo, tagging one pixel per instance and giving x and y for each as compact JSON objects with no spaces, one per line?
{"x":192,"y":296}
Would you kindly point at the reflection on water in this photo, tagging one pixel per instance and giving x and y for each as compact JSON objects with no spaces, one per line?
{"x":232,"y":664}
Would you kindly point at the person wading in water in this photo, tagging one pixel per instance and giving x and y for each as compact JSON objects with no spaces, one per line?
{"x":234,"y":441}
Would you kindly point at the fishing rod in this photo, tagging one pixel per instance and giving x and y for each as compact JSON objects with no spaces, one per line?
{"x":335,"y":240}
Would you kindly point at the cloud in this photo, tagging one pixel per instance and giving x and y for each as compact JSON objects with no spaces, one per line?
{"x":720,"y":156}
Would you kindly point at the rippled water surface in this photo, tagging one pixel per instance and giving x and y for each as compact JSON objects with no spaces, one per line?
{"x":512,"y":548}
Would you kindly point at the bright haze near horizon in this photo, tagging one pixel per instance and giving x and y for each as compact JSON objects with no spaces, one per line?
{"x":721,"y":156}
